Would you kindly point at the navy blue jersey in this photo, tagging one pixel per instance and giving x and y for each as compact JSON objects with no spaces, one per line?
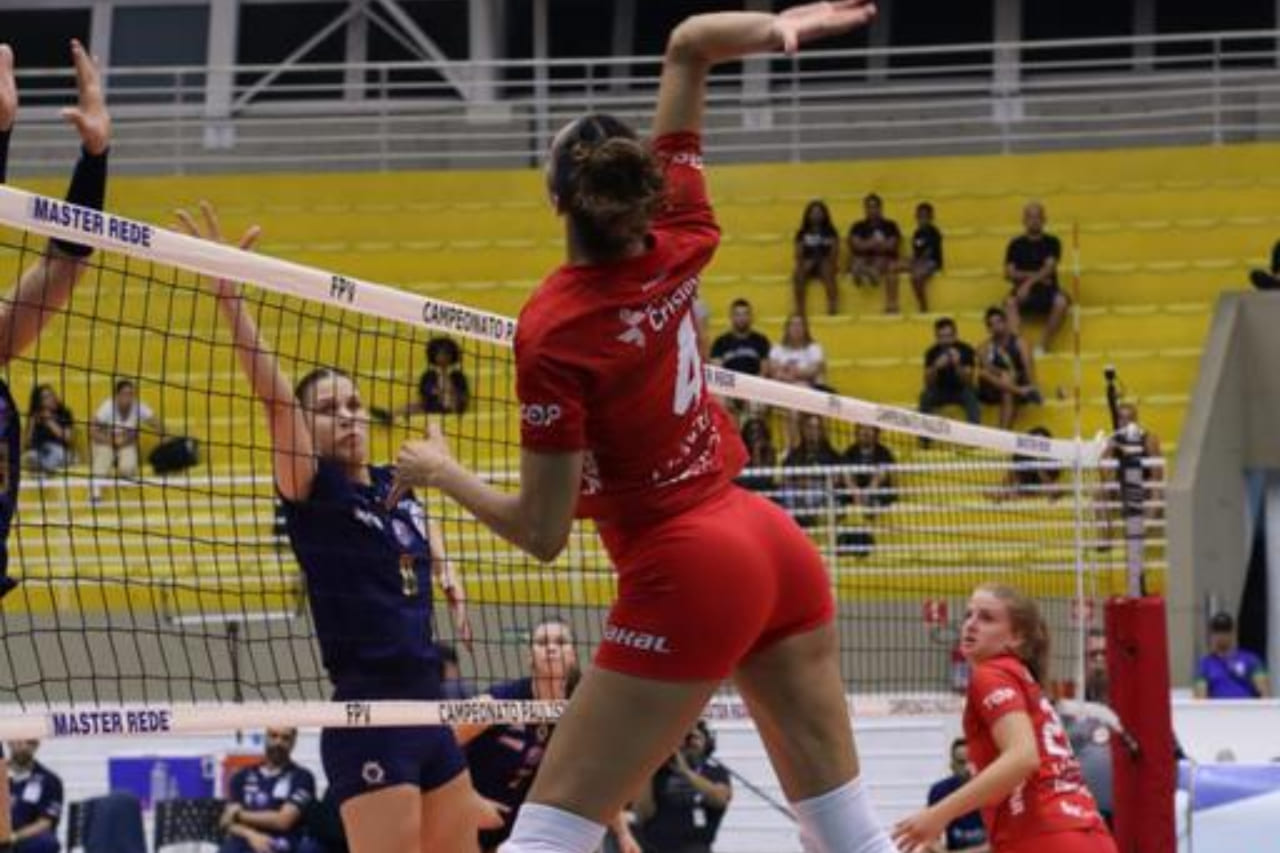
{"x":35,"y":795}
{"x":368,"y":571}
{"x":262,"y":789}
{"x":504,"y":760}
{"x":10,"y":469}
{"x":965,"y":831}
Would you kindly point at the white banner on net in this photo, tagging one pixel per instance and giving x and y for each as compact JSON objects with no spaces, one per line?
{"x":107,"y":231}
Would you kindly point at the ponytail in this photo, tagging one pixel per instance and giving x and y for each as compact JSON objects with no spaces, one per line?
{"x":1028,"y":626}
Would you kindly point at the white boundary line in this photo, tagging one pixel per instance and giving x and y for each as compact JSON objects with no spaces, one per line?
{"x":107,"y":231}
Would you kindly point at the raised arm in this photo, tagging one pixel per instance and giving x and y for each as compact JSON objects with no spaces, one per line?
{"x":704,"y":40}
{"x":294,"y":460}
{"x":46,"y":285}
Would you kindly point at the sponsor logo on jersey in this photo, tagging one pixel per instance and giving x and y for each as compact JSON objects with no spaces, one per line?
{"x":540,"y":414}
{"x":998,"y":697}
{"x":632,"y":334}
{"x":403,"y":534}
{"x":641,"y":641}
{"x":373,"y":773}
{"x":687,"y":158}
{"x":368,"y":519}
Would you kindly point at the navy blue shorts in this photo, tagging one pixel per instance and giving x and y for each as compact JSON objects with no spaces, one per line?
{"x":361,"y":761}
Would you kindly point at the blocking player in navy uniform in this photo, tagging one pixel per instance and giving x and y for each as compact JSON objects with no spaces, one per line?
{"x":681,"y":808}
{"x":35,"y":798}
{"x":268,"y":801}
{"x":369,"y":558}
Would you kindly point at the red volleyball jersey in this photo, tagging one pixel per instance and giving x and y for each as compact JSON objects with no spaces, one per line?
{"x":1054,"y":798}
{"x":607,"y":362}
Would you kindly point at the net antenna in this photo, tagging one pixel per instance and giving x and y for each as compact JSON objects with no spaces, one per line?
{"x":1129,"y":445}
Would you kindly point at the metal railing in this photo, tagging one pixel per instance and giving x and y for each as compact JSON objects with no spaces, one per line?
{"x":964,"y":98}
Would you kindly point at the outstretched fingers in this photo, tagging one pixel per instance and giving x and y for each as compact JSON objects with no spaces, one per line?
{"x":8,"y":89}
{"x":89,"y":116}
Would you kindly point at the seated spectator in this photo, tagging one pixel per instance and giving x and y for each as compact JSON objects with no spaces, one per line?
{"x":268,"y":801}
{"x":871,"y":487}
{"x":1006,"y":370}
{"x":1031,"y":265}
{"x":443,"y":387}
{"x":812,"y":496}
{"x":926,"y":254}
{"x":115,"y":433}
{"x":681,"y":808}
{"x":1227,"y":671}
{"x":873,"y":251}
{"x":1090,"y":736}
{"x":452,"y":684}
{"x":949,"y":373}
{"x":761,"y":457}
{"x":817,"y":249}
{"x":1030,"y":476}
{"x":966,"y":832}
{"x":797,"y":359}
{"x":1264,"y":280}
{"x":50,"y":431}
{"x":35,"y":800}
{"x":743,"y":350}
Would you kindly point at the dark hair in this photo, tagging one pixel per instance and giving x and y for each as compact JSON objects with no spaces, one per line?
{"x":1041,"y":431}
{"x":305,"y":384}
{"x":808,"y":335}
{"x":739,"y":303}
{"x":607,"y":182}
{"x":755,"y":427}
{"x":708,"y":737}
{"x":36,"y":393}
{"x":942,"y":323}
{"x":870,"y":197}
{"x":1029,"y":625}
{"x":826,"y":227}
{"x":993,"y":311}
{"x":925,"y":207}
{"x":122,"y":384}
{"x":442,"y":346}
{"x":446,"y":653}
{"x":957,"y":743}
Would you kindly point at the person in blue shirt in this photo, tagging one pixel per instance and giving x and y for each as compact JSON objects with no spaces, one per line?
{"x":505,"y":759}
{"x":1229,"y":672}
{"x":35,"y":801}
{"x":369,"y":557}
{"x":964,"y":833}
{"x":268,"y":801}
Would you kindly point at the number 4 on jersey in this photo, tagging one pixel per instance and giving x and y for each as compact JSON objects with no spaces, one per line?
{"x":689,"y":371}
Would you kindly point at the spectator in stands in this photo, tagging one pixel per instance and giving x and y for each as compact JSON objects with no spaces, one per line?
{"x":949,"y":373}
{"x":452,"y":684}
{"x":681,"y":808}
{"x":268,"y":801}
{"x":115,"y":433}
{"x":50,"y":431}
{"x":1031,"y":476}
{"x":1006,"y":369}
{"x":811,"y":496}
{"x":1227,"y":671}
{"x":966,"y":832}
{"x":797,"y":359}
{"x":761,"y":456}
{"x":443,"y":387}
{"x":871,"y":486}
{"x":873,"y":251}
{"x":742,"y":349}
{"x":1090,"y":735}
{"x":35,"y":800}
{"x":926,"y":254}
{"x":1264,"y":280}
{"x":817,"y":251}
{"x":1031,"y":265}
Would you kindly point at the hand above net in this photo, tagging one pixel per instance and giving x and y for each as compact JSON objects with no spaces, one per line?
{"x":89,"y":116}
{"x":813,"y":21}
{"x":212,"y":231}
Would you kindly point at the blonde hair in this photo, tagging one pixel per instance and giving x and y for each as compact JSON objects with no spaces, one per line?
{"x":1028,"y":625}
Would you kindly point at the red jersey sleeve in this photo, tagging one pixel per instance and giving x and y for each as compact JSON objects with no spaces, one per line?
{"x":552,"y":395}
{"x":686,"y":204}
{"x":995,"y":691}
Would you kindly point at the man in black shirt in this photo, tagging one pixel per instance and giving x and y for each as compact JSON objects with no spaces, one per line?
{"x":681,"y":808}
{"x":1264,"y":280}
{"x":1006,"y":369}
{"x":1031,"y":265}
{"x":948,"y":373}
{"x":926,"y":253}
{"x":741,"y":349}
{"x":873,"y":251}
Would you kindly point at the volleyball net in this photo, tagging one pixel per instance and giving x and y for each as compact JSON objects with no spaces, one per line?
{"x":172,"y":601}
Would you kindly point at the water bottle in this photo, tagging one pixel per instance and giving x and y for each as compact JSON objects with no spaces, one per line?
{"x":159,"y":781}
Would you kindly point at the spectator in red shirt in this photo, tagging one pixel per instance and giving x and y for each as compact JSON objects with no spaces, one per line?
{"x":873,"y":251}
{"x":817,"y":248}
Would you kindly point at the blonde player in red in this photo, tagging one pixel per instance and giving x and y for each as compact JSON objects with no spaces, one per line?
{"x":1028,"y":784}
{"x":713,"y":581}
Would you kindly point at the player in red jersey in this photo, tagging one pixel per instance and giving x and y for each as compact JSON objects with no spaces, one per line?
{"x":617,"y":425}
{"x":1028,"y":784}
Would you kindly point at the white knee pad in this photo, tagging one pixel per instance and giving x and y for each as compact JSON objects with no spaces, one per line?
{"x":841,"y":821}
{"x":546,"y":829}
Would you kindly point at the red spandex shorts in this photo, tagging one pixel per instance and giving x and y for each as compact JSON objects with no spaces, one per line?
{"x":1076,"y":841}
{"x":702,"y":590}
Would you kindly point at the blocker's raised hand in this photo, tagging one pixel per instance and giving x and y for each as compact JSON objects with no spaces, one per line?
{"x":8,"y":89}
{"x":812,"y":21}
{"x":89,"y":115}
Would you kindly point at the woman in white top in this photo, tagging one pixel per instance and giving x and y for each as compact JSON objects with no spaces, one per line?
{"x":114,"y":435}
{"x":797,"y":359}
